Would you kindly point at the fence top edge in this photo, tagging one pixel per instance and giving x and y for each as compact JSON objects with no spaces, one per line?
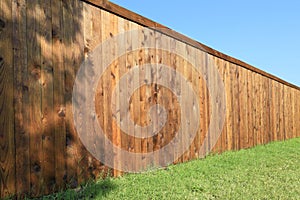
{"x":143,"y":21}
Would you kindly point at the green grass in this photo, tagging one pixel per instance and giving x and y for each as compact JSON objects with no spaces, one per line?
{"x":264,"y":172}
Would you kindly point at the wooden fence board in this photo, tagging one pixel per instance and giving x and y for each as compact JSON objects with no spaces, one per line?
{"x":7,"y":137}
{"x":34,"y":88}
{"x":21,"y":98}
{"x":43,"y":44}
{"x":47,"y":94}
{"x":59,"y":103}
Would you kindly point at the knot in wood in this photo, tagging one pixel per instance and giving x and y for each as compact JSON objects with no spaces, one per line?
{"x":62,"y":112}
{"x":2,"y":24}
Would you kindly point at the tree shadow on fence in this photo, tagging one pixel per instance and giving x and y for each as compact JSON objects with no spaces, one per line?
{"x":41,"y":48}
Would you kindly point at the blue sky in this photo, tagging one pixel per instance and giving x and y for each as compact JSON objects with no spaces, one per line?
{"x":265,"y":34}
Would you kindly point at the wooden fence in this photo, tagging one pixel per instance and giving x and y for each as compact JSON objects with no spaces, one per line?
{"x":42,"y":45}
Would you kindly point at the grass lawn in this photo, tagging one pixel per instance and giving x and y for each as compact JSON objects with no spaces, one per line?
{"x":264,"y":172}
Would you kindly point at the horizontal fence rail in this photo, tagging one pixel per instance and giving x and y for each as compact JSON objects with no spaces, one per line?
{"x":89,"y":88}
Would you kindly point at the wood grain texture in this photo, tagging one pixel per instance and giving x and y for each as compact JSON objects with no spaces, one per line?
{"x":35,"y":93}
{"x":7,"y":135}
{"x":21,"y":103}
{"x":43,"y":44}
{"x":47,"y":94}
{"x":122,"y":12}
{"x":59,"y":103}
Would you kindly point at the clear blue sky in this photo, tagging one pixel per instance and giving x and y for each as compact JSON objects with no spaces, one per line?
{"x":265,"y":34}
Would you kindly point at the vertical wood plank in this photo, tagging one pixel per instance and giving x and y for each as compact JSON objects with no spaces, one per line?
{"x":229,"y":107}
{"x":34,"y":88}
{"x":243,"y":101}
{"x":115,"y":77}
{"x":69,"y":21}
{"x":272,"y":88}
{"x":214,"y":141}
{"x":207,"y":105}
{"x":142,"y":121}
{"x":222,"y":138}
{"x":150,"y":59}
{"x":286,"y":112}
{"x":293,"y":115}
{"x":156,"y":97}
{"x":21,"y":98}
{"x":197,"y":79}
{"x":7,"y":137}
{"x":166,"y":96}
{"x":281,"y":111}
{"x":222,"y":70}
{"x":257,"y":108}
{"x":106,"y":33}
{"x":59,"y":103}
{"x":236,"y":108}
{"x":185,"y":101}
{"x":126,"y":141}
{"x":298,"y":112}
{"x":47,"y":93}
{"x":120,"y":72}
{"x":290,"y":113}
{"x":177,"y":64}
{"x":250,"y":108}
{"x":277,"y":110}
{"x":266,"y":111}
{"x":72,"y":140}
{"x":195,"y":84}
{"x":72,"y":53}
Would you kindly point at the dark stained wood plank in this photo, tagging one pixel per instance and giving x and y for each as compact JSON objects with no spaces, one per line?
{"x":277,"y":109}
{"x":272,"y":90}
{"x":286,"y":112}
{"x":268,"y":112}
{"x":242,"y":108}
{"x":7,"y":135}
{"x":59,"y":104}
{"x":281,"y":111}
{"x":72,"y":140}
{"x":89,"y":45}
{"x":21,"y":98}
{"x":293,"y":115}
{"x":290,"y":113}
{"x":297,"y":116}
{"x":71,"y":30}
{"x":250,"y":108}
{"x":259,"y":109}
{"x":47,"y":93}
{"x":34,"y":88}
